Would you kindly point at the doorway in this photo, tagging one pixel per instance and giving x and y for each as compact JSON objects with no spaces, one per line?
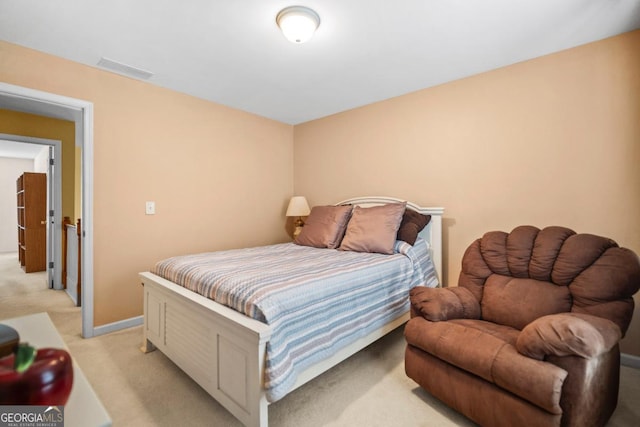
{"x":36,"y":102}
{"x":49,"y":165}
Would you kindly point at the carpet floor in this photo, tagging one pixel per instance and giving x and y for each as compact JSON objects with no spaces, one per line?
{"x":368,"y":389}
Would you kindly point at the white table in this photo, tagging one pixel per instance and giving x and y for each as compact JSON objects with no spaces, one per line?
{"x":83,"y":409}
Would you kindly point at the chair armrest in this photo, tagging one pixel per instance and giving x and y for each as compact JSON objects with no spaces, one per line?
{"x":568,"y":334}
{"x":437,"y":304}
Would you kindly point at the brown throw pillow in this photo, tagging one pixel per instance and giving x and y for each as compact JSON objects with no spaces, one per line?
{"x":324,"y":227}
{"x":373,"y":229}
{"x":412,"y":224}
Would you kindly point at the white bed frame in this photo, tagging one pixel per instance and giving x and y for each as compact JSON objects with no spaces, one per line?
{"x":224,"y":350}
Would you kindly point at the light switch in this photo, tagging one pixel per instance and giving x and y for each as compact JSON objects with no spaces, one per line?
{"x":150,"y":208}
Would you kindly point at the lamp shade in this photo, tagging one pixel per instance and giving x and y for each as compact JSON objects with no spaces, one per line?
{"x":298,"y":206}
{"x":298,"y":23}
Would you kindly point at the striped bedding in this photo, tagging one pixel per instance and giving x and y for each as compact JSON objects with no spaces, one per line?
{"x":316,"y":301}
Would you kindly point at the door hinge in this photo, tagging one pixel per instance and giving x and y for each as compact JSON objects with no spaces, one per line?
{"x":52,"y":162}
{"x":50,"y":264}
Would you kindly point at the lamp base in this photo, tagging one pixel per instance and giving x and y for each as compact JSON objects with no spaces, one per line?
{"x":298,"y":227}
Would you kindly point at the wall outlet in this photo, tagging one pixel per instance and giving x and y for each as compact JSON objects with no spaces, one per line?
{"x":150,"y":208}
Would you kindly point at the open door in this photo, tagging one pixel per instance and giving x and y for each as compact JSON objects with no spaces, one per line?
{"x":51,"y":248}
{"x":54,"y":215}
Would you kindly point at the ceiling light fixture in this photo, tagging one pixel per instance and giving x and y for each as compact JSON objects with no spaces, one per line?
{"x":298,"y":23}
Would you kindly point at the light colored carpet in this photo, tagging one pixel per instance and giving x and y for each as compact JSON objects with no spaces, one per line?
{"x":368,"y":389}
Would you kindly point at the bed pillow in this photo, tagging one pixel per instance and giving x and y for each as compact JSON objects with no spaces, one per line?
{"x":373,"y":229}
{"x":324,"y":226}
{"x":412,"y":224}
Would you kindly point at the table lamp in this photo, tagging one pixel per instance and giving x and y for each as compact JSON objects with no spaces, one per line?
{"x":298,"y":207}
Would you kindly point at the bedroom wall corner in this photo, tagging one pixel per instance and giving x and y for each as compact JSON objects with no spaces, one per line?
{"x":550,"y":141}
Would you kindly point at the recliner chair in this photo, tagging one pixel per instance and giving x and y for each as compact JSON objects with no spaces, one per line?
{"x":530,"y":334}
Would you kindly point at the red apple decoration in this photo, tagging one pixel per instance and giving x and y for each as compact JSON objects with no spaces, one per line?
{"x":30,"y":377}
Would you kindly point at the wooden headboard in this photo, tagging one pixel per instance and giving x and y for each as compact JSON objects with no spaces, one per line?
{"x":432,"y":233}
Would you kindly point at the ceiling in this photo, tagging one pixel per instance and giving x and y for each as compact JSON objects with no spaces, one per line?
{"x":231,"y":52}
{"x":19,"y":150}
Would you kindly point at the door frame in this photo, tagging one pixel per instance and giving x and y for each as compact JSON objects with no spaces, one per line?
{"x":33,"y":101}
{"x":54,"y":240}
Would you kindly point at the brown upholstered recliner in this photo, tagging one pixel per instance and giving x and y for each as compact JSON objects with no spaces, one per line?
{"x":530,"y":335}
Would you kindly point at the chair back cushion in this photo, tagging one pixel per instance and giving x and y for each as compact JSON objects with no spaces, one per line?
{"x":517,"y":302}
{"x":529,"y":273}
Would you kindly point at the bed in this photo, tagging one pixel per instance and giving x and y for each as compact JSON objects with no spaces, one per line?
{"x":233,"y":355}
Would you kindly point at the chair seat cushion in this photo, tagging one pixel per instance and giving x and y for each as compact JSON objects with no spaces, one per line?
{"x":488,"y":350}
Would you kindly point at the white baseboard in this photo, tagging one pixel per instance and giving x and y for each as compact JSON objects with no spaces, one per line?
{"x":116,"y":326}
{"x":630,"y":360}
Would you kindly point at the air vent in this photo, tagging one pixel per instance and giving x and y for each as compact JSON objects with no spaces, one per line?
{"x":124,"y":69}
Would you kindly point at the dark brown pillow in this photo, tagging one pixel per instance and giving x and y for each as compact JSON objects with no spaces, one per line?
{"x":412,"y":224}
{"x":373,"y":229}
{"x":324,"y":227}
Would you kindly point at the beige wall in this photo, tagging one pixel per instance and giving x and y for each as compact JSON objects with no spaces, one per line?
{"x":551,"y":141}
{"x":220,"y":177}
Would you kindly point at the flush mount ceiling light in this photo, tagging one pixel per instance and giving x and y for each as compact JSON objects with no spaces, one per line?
{"x":298,"y":23}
